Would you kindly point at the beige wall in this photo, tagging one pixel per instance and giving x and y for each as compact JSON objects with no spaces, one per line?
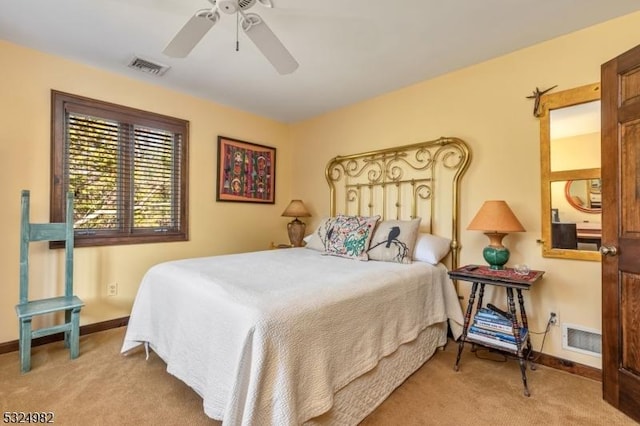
{"x":486,"y":106}
{"x":25,"y":83}
{"x":574,"y":153}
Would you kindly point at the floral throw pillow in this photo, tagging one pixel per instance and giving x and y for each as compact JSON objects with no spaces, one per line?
{"x":394,"y":241}
{"x":349,"y":236}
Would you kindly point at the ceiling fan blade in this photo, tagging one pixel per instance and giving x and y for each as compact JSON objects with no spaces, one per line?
{"x":266,"y":3}
{"x":267,"y":42}
{"x":192,"y":32}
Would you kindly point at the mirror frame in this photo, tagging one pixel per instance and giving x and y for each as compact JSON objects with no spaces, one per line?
{"x":572,"y":203}
{"x":549,"y":102}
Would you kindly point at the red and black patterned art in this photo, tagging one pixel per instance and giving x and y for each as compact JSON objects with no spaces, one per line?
{"x":246,"y":171}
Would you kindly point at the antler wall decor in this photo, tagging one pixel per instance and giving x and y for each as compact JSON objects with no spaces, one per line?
{"x":536,"y":95}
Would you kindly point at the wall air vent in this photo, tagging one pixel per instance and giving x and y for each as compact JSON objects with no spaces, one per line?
{"x":581,"y":339}
{"x":147,"y":66}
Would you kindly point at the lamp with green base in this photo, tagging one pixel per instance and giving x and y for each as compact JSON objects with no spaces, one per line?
{"x":496,"y":219}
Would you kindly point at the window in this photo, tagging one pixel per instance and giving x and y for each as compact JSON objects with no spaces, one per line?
{"x":127,"y":169}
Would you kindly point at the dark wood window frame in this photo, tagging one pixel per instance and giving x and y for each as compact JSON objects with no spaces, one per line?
{"x":65,"y":105}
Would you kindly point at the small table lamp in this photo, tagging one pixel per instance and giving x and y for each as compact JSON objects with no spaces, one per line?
{"x":496,"y":219}
{"x":296,"y":227}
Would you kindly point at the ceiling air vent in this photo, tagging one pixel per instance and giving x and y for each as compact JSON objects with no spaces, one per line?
{"x":148,"y":66}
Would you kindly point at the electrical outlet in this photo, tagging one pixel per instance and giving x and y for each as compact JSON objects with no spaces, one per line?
{"x":112,"y":289}
{"x":554,"y":318}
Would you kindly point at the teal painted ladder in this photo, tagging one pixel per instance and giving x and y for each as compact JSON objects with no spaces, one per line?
{"x":70,"y":304}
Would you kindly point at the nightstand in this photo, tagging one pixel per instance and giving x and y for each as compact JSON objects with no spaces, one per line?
{"x":279,"y":246}
{"x":480,"y":276}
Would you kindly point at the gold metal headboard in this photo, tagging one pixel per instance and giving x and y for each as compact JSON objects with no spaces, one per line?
{"x":418,"y":180}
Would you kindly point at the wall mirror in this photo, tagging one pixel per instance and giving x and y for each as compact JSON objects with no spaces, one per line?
{"x":584,"y":195}
{"x":570,"y":173}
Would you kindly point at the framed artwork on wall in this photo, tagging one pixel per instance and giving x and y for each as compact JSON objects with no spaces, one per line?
{"x":246,"y":172}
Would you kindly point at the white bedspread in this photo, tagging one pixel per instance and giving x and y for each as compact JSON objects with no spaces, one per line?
{"x":266,"y":338}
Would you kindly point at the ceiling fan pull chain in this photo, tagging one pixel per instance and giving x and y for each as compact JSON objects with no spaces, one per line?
{"x":237,"y":29}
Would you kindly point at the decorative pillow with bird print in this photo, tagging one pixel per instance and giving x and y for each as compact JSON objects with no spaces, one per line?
{"x":317,"y":240}
{"x":349,"y":236}
{"x":394,"y":240}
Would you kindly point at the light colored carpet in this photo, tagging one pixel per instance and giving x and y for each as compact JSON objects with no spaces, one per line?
{"x":101,"y":387}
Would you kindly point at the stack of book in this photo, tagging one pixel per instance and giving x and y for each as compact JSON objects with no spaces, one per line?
{"x":495,"y":328}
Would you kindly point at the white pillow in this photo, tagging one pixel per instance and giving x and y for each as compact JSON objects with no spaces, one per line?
{"x":431,"y":248}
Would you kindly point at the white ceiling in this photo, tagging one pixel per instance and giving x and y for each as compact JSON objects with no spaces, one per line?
{"x":348,"y":50}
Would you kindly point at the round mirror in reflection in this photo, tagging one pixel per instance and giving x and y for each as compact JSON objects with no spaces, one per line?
{"x":584,"y":195}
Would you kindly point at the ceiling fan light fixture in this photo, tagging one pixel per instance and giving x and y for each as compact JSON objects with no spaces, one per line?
{"x":246,"y":4}
{"x":252,"y":24}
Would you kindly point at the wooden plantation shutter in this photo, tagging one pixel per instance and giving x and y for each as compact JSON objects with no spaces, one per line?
{"x":127,"y":169}
{"x":156,"y":168}
{"x":92,"y":173}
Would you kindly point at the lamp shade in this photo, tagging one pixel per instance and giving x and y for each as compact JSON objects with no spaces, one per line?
{"x":495,"y":216}
{"x":296,"y":208}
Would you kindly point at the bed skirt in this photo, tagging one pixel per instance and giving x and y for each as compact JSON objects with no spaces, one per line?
{"x":362,"y":396}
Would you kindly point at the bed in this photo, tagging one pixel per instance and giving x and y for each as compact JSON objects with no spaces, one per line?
{"x":296,"y":336}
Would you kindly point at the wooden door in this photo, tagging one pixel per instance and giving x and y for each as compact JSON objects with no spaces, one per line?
{"x":621,"y":232}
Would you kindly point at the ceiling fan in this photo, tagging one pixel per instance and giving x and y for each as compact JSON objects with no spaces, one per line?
{"x":252,"y":24}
